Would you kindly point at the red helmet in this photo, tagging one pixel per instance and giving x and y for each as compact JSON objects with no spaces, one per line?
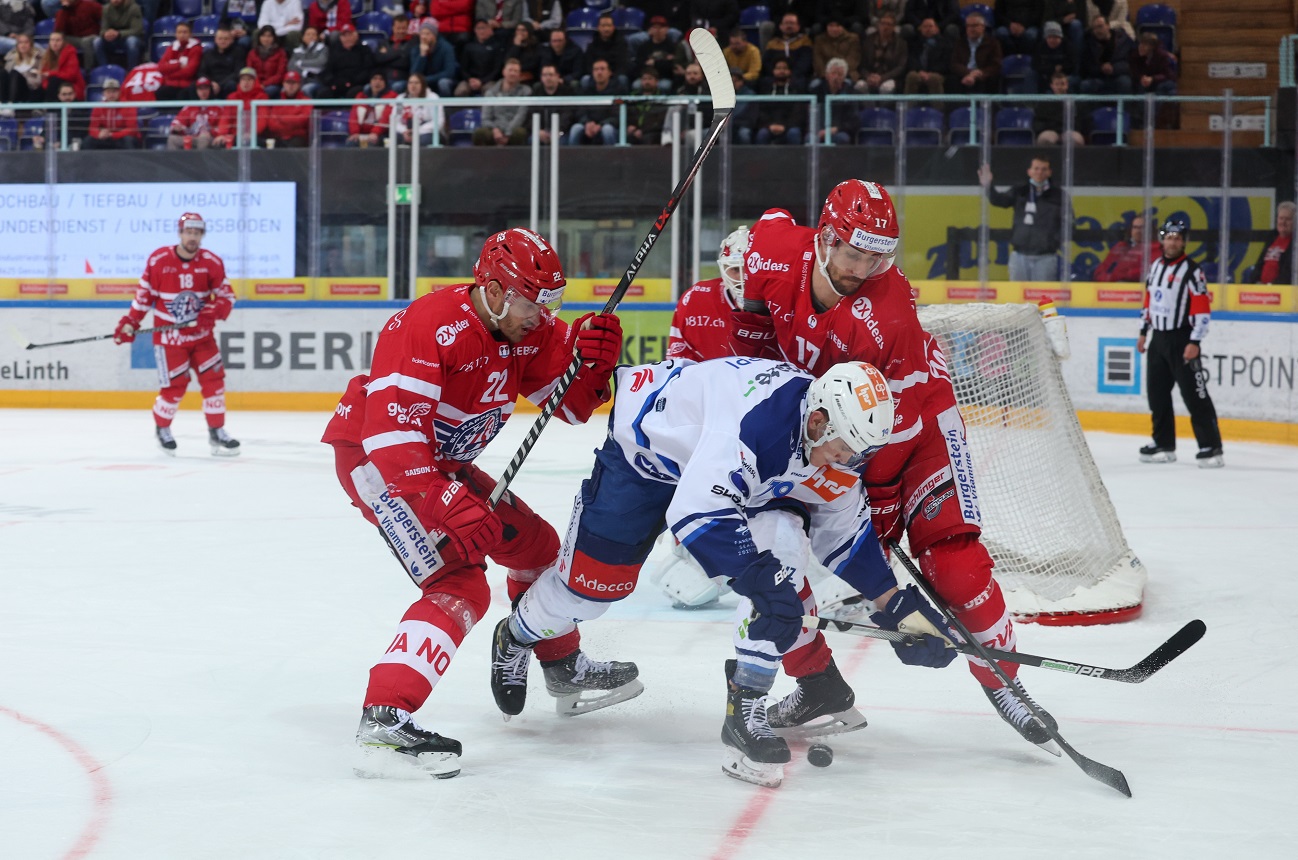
{"x":191,"y":219}
{"x":524,"y":262}
{"x":861,"y":214}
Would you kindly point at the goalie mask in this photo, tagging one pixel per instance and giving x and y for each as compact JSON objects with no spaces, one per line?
{"x":855,"y":397}
{"x":526,"y":267}
{"x":730,"y":260}
{"x":857,"y":235}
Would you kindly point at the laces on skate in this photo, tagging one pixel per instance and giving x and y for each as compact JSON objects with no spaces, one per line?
{"x":580,"y":684}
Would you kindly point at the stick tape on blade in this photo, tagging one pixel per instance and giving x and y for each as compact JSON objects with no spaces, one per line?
{"x":715,"y":68}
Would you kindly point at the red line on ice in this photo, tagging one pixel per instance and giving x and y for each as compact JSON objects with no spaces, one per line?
{"x":103,"y":791}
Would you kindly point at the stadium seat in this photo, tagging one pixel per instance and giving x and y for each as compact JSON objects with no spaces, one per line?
{"x":924,"y":126}
{"x":986,"y":11}
{"x":205,"y":25}
{"x":94,"y":94}
{"x":373,"y":41}
{"x":187,"y":8}
{"x":1014,"y":127}
{"x":162,"y":33}
{"x":1104,"y":126}
{"x":629,"y":19}
{"x":581,"y":25}
{"x":962,"y":120}
{"x":1160,"y":20}
{"x":42,"y":34}
{"x":1018,"y":74}
{"x":461,"y":125}
{"x":598,"y":5}
{"x":8,"y":134}
{"x":99,"y":74}
{"x":374,"y":22}
{"x":334,"y":129}
{"x":878,"y":127}
{"x":156,"y":129}
{"x":30,"y":130}
{"x":751,"y":21}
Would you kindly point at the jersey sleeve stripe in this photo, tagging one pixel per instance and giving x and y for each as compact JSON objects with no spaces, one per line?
{"x":391,"y":438}
{"x":917,"y":377}
{"x":405,"y":383}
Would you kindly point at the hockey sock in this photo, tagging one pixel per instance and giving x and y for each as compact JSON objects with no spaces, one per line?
{"x":753,"y":675}
{"x":960,"y":569}
{"x":164,"y":411}
{"x":810,"y":652}
{"x":547,"y":650}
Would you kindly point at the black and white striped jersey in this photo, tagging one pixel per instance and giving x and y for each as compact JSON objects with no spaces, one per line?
{"x":1176,"y":297}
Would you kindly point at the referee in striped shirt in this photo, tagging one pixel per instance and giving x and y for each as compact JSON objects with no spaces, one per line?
{"x":1177,"y":309}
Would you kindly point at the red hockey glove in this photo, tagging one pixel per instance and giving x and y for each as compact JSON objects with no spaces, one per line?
{"x":125,"y":331}
{"x":207,"y":317}
{"x":470,"y":524}
{"x":753,"y":335}
{"x":885,"y":511}
{"x":600,"y":345}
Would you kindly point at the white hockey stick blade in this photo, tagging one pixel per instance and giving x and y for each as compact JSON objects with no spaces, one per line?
{"x":17,"y":335}
{"x":715,"y":69}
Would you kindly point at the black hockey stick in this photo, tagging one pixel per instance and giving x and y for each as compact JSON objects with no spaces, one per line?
{"x":1112,"y":777}
{"x":28,"y":345}
{"x":717,"y":73}
{"x":1162,"y":655}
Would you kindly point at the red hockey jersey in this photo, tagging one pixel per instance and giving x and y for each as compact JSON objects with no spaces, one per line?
{"x":142,"y":84}
{"x":442,"y":385}
{"x":702,"y":323}
{"x":175,"y":290}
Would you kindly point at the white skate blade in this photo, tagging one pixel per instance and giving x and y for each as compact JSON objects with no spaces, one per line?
{"x":826,"y":724}
{"x":1051,"y":747}
{"x":1211,"y":463}
{"x":1160,"y":457}
{"x":740,"y":767}
{"x":572,"y":704}
{"x":170,"y":452}
{"x":219,"y":451}
{"x":374,"y":761}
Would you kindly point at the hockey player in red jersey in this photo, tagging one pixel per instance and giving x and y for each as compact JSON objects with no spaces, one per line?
{"x":703,"y":319}
{"x":185,"y":284}
{"x":445,"y":375}
{"x":833,"y":294}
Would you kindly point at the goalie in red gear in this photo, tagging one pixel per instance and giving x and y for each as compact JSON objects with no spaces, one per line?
{"x":446,"y":373}
{"x":185,"y":285}
{"x":833,"y":294}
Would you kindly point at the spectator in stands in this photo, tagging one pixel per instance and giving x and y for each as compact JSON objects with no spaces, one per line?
{"x":1275,"y":264}
{"x":743,"y":55}
{"x":929,"y":60}
{"x":1069,"y":15}
{"x":197,"y":125}
{"x":1048,"y":117}
{"x":677,"y":12}
{"x":527,"y":50}
{"x":743,"y":119}
{"x":329,"y":16}
{"x":780,"y":122}
{"x":416,"y":112}
{"x":793,"y":45}
{"x":454,"y":20}
{"x":1125,"y":259}
{"x":1153,"y":69}
{"x":719,"y":16}
{"x":236,"y":126}
{"x":222,"y":61}
{"x":289,"y":124}
{"x":21,"y":81}
{"x":502,"y":15}
{"x":878,"y":8}
{"x":844,"y":116}
{"x":393,"y":54}
{"x":884,"y":57}
{"x":310,"y":59}
{"x":121,"y":34}
{"x":566,"y":57}
{"x":504,"y":125}
{"x":659,"y":49}
{"x":66,"y":93}
{"x":1018,"y":24}
{"x":368,"y":123}
{"x":609,"y":45}
{"x":269,"y":61}
{"x":480,"y":62}
{"x":17,"y":18}
{"x":646,"y":119}
{"x":78,"y":21}
{"x":1054,"y":55}
{"x":1038,"y":208}
{"x":111,"y":125}
{"x":351,"y":63}
{"x":596,"y":124}
{"x":945,"y":13}
{"x":1115,"y":12}
{"x":975,"y":59}
{"x":836,"y":41}
{"x":59,"y":66}
{"x":433,"y":59}
{"x":551,"y":85}
{"x":287,"y":20}
{"x":1105,"y":60}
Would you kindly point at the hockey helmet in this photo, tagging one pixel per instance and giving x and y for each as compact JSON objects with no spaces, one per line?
{"x":523,"y":263}
{"x":730,"y":260}
{"x":858,"y":214}
{"x":1178,"y":224}
{"x":855,"y":397}
{"x":191,"y":219}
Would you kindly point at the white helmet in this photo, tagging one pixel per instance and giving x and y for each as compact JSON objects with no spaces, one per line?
{"x":856,"y":398}
{"x":730,"y":260}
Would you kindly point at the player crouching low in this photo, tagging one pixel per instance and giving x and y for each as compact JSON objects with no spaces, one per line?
{"x":749,"y":463}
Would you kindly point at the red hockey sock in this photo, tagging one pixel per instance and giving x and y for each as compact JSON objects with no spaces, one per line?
{"x":809,"y":659}
{"x":418,"y":657}
{"x":960,"y":569}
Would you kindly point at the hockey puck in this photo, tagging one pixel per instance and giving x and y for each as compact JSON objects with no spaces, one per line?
{"x":820,"y":755}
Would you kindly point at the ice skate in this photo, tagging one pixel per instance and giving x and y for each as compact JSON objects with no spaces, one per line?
{"x":1209,"y":458}
{"x":167,"y":441}
{"x":820,"y":705}
{"x":392,"y":745}
{"x":753,"y":753}
{"x":1157,"y":454}
{"x":1009,"y":703}
{"x":509,"y":664}
{"x":223,"y":445}
{"x":580,"y":684}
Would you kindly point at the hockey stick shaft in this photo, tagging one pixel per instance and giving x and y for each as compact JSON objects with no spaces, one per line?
{"x":722,"y":106}
{"x":106,"y":336}
{"x":1112,"y":777}
{"x":1177,"y":645}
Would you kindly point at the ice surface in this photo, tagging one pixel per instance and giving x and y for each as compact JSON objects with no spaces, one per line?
{"x":185,"y":645}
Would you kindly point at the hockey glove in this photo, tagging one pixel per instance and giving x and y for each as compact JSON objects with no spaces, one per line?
{"x":125,"y":331}
{"x":909,"y":612}
{"x":207,"y":317}
{"x":600,"y":345}
{"x":769,"y":585}
{"x":467,"y":521}
{"x":753,"y":335}
{"x":885,"y":510}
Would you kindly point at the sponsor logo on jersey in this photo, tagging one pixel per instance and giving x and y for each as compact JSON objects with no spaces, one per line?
{"x":704,"y":321}
{"x":421,"y":470}
{"x":526,"y":350}
{"x":863,"y":310}
{"x":933,"y":505}
{"x":785,"y":573}
{"x":640,"y":378}
{"x":645,"y":465}
{"x":961,"y":464}
{"x":412,"y":416}
{"x":185,"y":306}
{"x":727,"y":493}
{"x":343,"y":411}
{"x":829,"y":483}
{"x":756,"y":263}
{"x":937,"y":361}
{"x":592,"y":586}
{"x":464,"y":442}
{"x":446,"y":334}
{"x":933,"y":483}
{"x":406,"y":536}
{"x":766,"y":377}
{"x":737,"y":479}
{"x":812,"y":322}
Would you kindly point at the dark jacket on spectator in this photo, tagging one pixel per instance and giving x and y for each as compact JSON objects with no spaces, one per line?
{"x":988,"y":57}
{"x":887,"y":61}
{"x":1158,"y":65}
{"x":438,"y":66}
{"x":1041,"y":237}
{"x":481,"y":60}
{"x":847,"y":48}
{"x":677,"y":13}
{"x":662,"y":56}
{"x":1055,"y":10}
{"x":18,"y":21}
{"x":126,"y":19}
{"x":222,"y":67}
{"x":394,"y":59}
{"x":545,"y":111}
{"x":82,"y":18}
{"x":348,"y":71}
{"x":529,"y":60}
{"x":570,"y":63}
{"x":1025,"y":12}
{"x":614,"y":50}
{"x":722,"y":14}
{"x":843,"y":115}
{"x":942,"y":11}
{"x":930,"y":55}
{"x":1047,"y":60}
{"x":601,"y":113}
{"x":1117,"y":50}
{"x":787,"y":114}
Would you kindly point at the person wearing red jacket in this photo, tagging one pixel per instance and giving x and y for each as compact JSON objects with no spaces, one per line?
{"x":113,"y":127}
{"x":60,"y":65}
{"x":269,"y":61}
{"x":1124,"y":260}
{"x":197,"y":125}
{"x":290,"y":125}
{"x":328,"y":16}
{"x":247,"y":93}
{"x":446,"y":373}
{"x":78,"y":21}
{"x":368,"y":124}
{"x":179,"y":64}
{"x":454,"y":19}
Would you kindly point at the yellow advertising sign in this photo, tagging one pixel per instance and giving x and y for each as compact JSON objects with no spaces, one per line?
{"x":579,"y":290}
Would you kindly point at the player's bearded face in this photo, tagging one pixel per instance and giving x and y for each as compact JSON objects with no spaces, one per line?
{"x":847,"y":267}
{"x":190,"y":239}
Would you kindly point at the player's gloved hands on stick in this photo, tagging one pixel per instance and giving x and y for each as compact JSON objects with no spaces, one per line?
{"x":908,"y":612}
{"x":125,"y":331}
{"x":468,"y":521}
{"x":599,"y":341}
{"x":207,"y":317}
{"x":769,"y":585}
{"x":753,"y":335}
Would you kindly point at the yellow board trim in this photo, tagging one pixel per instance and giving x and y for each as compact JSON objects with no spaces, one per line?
{"x":1232,"y":429}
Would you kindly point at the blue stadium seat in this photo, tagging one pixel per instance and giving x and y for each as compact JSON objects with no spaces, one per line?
{"x":43,"y":29}
{"x":205,"y":25}
{"x":99,"y":74}
{"x":1104,"y":126}
{"x":1014,"y":127}
{"x":32,"y":129}
{"x":156,"y":129}
{"x":1019,"y":77}
{"x":1160,"y":20}
{"x":461,"y":125}
{"x":924,"y":126}
{"x":986,"y":11}
{"x":8,"y":133}
{"x":751,"y":21}
{"x":629,"y":19}
{"x":962,"y":120}
{"x":374,"y":22}
{"x":94,"y":94}
{"x":162,"y":33}
{"x":187,"y":8}
{"x":373,"y":41}
{"x":581,"y":25}
{"x":878,"y":127}
{"x":333,"y":128}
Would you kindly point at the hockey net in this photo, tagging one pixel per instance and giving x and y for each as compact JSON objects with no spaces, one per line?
{"x":1061,"y":557}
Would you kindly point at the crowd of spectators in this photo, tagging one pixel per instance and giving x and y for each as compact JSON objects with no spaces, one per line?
{"x":224,"y":50}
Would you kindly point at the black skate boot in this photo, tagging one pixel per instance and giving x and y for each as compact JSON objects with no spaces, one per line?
{"x":821,"y":705}
{"x":1156,"y":454}
{"x":753,"y":753}
{"x":1209,"y":458}
{"x":509,"y":664}
{"x":1009,"y":703}
{"x":601,"y":684}
{"x":222,"y":443}
{"x":167,"y":441}
{"x":393,"y":746}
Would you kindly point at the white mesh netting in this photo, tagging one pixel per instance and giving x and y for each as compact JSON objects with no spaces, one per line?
{"x":1060,"y":553}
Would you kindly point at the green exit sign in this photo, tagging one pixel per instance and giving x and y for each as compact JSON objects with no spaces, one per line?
{"x":405,"y":194}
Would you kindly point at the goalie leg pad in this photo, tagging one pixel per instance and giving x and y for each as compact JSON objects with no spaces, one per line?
{"x":682,"y":580}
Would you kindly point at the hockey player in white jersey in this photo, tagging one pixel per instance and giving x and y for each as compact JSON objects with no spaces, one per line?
{"x":750,"y":463}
